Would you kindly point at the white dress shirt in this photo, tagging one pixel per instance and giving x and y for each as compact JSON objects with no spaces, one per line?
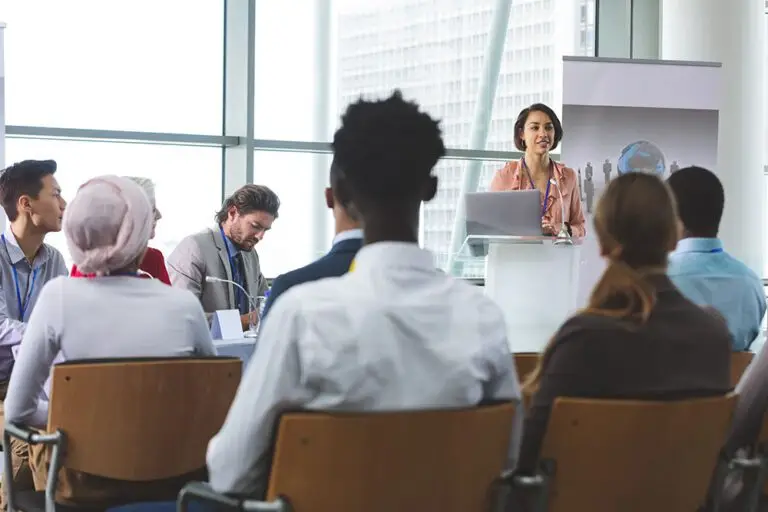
{"x":395,"y":334}
{"x":20,"y":286}
{"x":349,"y":234}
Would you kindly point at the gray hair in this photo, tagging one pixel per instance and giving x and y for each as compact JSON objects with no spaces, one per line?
{"x":147,"y":185}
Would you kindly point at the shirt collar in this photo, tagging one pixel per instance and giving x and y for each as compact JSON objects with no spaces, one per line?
{"x":393,"y":255}
{"x":699,"y":245}
{"x":14,"y":250}
{"x":347,"y":235}
{"x":229,"y":245}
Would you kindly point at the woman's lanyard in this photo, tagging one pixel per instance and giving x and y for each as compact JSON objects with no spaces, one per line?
{"x":232,"y":269}
{"x":533,"y":185}
{"x":30,"y":284}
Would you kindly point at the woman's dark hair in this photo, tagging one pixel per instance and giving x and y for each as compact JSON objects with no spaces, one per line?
{"x":636,"y":225}
{"x":250,"y":198}
{"x":522,"y":117}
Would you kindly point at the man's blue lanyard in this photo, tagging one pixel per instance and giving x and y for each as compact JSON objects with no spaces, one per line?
{"x":30,"y":288}
{"x":235,"y":271}
{"x":717,"y":249}
{"x":533,"y":185}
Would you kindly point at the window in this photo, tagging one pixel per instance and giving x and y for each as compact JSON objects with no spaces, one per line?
{"x":437,"y":216}
{"x":139,"y":65}
{"x":187,"y":179}
{"x":377,"y":47}
{"x":299,"y":180}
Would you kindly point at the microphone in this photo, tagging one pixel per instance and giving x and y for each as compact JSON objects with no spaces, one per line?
{"x":563,"y":238}
{"x":145,"y":274}
{"x":252,"y":331}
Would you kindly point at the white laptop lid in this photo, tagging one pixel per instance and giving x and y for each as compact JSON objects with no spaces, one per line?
{"x":512,"y":213}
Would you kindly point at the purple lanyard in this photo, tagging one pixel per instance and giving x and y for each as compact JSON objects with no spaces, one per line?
{"x":533,"y":185}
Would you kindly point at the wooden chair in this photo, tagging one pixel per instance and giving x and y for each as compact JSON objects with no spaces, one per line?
{"x":446,"y":460}
{"x":525,"y":363}
{"x":129,"y":420}
{"x":754,"y":466}
{"x":739,"y":363}
{"x":633,"y":456}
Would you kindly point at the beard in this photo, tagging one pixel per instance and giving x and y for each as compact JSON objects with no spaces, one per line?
{"x":238,"y":240}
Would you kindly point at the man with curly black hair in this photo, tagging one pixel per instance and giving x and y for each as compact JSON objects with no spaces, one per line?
{"x":394,"y":333}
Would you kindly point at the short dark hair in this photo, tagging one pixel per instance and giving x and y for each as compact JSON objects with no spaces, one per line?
{"x":700,"y":200}
{"x":385,"y":149}
{"x":522,"y":117}
{"x":20,"y":179}
{"x":250,"y":198}
{"x":341,"y":191}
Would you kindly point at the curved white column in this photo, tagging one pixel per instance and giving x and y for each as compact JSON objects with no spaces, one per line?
{"x":731,"y":32}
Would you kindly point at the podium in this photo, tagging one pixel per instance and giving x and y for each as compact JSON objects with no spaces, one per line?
{"x":535,"y":282}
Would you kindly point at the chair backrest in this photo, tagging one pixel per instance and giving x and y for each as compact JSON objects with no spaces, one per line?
{"x":141,"y":419}
{"x":739,"y":363}
{"x":634,"y":455}
{"x":525,"y":363}
{"x":446,"y":460}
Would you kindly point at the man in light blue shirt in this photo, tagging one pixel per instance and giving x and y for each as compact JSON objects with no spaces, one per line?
{"x":699,"y":266}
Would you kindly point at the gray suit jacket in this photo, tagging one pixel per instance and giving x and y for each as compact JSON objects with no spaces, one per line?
{"x":205,"y":254}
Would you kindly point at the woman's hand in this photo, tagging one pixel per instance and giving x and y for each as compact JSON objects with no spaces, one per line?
{"x":547,"y":228}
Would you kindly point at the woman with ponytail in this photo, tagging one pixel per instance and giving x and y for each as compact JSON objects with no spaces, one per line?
{"x":638,"y":337}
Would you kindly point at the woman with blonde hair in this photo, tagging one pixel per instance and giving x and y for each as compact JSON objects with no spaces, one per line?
{"x":638,"y":337}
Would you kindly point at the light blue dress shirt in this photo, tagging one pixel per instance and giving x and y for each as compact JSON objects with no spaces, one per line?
{"x":709,"y":276}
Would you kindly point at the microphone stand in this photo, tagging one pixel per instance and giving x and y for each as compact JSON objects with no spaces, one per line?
{"x":252,"y":331}
{"x":563,"y":238}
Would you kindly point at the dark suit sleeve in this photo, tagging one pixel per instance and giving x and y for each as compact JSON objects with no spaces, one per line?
{"x":279,"y":285}
{"x":569,"y":371}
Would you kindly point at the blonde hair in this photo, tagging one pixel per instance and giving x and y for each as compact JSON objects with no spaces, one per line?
{"x":636,"y":225}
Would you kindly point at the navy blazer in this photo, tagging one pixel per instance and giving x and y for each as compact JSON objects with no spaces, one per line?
{"x":335,"y":263}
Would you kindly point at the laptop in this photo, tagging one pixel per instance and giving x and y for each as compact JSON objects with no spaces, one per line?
{"x":512,"y":213}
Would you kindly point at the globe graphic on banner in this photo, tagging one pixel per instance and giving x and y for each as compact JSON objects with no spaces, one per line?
{"x":641,"y":156}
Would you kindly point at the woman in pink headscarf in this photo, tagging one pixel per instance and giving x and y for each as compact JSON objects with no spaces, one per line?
{"x":153,"y":263}
{"x":113,"y":315}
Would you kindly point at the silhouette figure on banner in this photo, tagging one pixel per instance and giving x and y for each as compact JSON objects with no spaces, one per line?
{"x":674,"y":167}
{"x":588,"y":169}
{"x":589,"y":191}
{"x":607,"y":170}
{"x":581,"y":190}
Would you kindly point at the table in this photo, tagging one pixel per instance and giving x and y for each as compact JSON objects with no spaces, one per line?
{"x":242,"y":348}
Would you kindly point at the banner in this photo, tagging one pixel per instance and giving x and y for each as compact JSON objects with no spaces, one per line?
{"x":624,"y":115}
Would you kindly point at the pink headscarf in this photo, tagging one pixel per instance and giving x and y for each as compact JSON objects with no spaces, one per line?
{"x":107,"y":224}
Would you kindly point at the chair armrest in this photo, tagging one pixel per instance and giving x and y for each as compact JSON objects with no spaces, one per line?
{"x":534,"y":489}
{"x":746,"y":462}
{"x":202,"y":491}
{"x":528,"y":481}
{"x":31,"y":436}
